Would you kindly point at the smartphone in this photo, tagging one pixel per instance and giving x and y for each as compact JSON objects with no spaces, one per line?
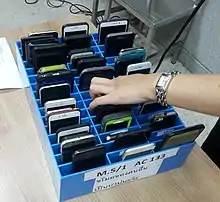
{"x":131,"y":138}
{"x":89,"y":62}
{"x":89,"y":158}
{"x":181,"y":137}
{"x":78,"y":41}
{"x":54,"y":92}
{"x":137,"y":151}
{"x":72,"y":130}
{"x":26,"y":40}
{"x":53,"y":68}
{"x":54,"y":54}
{"x":75,"y":28}
{"x":113,"y":136}
{"x":112,"y":26}
{"x":132,"y":53}
{"x":89,"y":73}
{"x":60,"y":104}
{"x":114,"y":43}
{"x":75,"y":60}
{"x":150,"y":107}
{"x":164,"y":120}
{"x":50,"y":113}
{"x":53,"y":78}
{"x":51,"y":33}
{"x":79,"y":52}
{"x":121,"y":66}
{"x":140,"y":68}
{"x":73,"y":143}
{"x":61,"y":120}
{"x":116,"y":121}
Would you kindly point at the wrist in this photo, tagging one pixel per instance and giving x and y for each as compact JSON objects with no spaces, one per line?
{"x":150,"y":82}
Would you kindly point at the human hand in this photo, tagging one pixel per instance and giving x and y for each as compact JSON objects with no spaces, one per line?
{"x":132,"y":89}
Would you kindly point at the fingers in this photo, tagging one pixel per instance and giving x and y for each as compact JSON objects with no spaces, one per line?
{"x":97,"y":90}
{"x":103,"y":100}
{"x":101,"y":81}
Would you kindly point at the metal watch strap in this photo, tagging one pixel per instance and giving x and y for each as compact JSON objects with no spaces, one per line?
{"x":162,"y":87}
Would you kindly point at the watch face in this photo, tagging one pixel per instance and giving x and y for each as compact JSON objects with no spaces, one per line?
{"x":164,"y":81}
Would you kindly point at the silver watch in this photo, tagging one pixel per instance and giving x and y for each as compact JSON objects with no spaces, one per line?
{"x":162,"y":86}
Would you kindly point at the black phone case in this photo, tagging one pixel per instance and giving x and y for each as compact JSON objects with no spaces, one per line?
{"x":121,"y":66}
{"x":78,"y":41}
{"x":38,"y":43}
{"x":114,"y":44}
{"x":161,"y":145}
{"x":87,"y":75}
{"x":73,"y":24}
{"x":150,"y":108}
{"x":52,"y":78}
{"x":89,"y":158}
{"x":167,"y":121}
{"x":78,"y":58}
{"x":49,"y":55}
{"x":131,"y":138}
{"x":53,"y":34}
{"x":104,"y":110}
{"x":90,"y":62}
{"x":76,"y":51}
{"x":70,"y":148}
{"x":55,"y":93}
{"x":26,"y":40}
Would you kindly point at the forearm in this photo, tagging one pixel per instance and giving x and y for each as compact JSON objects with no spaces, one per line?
{"x":199,"y":93}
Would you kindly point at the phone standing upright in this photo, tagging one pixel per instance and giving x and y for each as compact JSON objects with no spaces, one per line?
{"x":111,"y":26}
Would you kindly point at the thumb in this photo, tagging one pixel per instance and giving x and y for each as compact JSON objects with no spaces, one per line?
{"x":103,"y":100}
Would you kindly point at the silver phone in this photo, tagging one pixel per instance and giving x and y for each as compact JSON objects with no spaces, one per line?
{"x":137,"y":151}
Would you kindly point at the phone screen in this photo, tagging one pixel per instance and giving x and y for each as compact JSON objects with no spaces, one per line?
{"x":182,"y":138}
{"x":117,"y":126}
{"x":140,"y":71}
{"x":105,"y":31}
{"x":75,"y":30}
{"x":55,"y":125}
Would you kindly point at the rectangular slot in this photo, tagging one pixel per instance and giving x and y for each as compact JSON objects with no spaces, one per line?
{"x":30,"y":71}
{"x":85,"y":95}
{"x":95,"y":36}
{"x":95,"y":49}
{"x":87,"y":102}
{"x":76,"y":96}
{"x":111,"y":60}
{"x":77,"y":80}
{"x":33,"y":86}
{"x":32,"y":79}
{"x":102,"y":48}
{"x":53,"y":139}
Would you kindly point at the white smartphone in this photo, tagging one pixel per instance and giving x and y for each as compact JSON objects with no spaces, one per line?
{"x":59,"y":104}
{"x":71,"y":130}
{"x":54,"y":92}
{"x":139,"y":68}
{"x":47,"y":33}
{"x":113,"y":26}
{"x":57,"y":111}
{"x":137,"y":151}
{"x":75,"y":28}
{"x":61,"y":120}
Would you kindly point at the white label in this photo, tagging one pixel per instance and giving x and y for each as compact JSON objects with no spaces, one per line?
{"x":128,"y":171}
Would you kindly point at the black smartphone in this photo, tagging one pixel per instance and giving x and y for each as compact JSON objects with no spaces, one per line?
{"x":79,"y":52}
{"x":131,"y":138}
{"x":30,"y":47}
{"x":151,"y":107}
{"x":181,"y":137}
{"x":26,"y":40}
{"x":87,"y":75}
{"x":76,"y":59}
{"x":51,"y":78}
{"x":54,"y":92}
{"x":78,"y":41}
{"x":71,"y":29}
{"x":164,"y":120}
{"x":114,"y":43}
{"x":55,"y":54}
{"x":122,"y":65}
{"x":89,"y":158}
{"x":89,"y":62}
{"x":104,"y":110}
{"x":72,"y":143}
{"x":111,"y":26}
